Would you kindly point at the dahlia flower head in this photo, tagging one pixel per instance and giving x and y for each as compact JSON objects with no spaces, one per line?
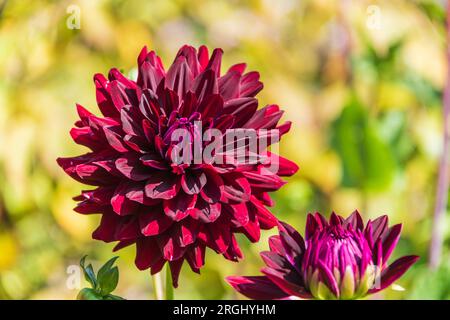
{"x":173,"y":210}
{"x":338,"y":259}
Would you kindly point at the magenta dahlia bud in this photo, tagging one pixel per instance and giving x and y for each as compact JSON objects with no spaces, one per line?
{"x":339,"y":259}
{"x":179,"y":159}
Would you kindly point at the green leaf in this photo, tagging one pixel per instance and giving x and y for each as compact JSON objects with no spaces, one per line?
{"x":88,"y":271}
{"x":88,"y":294}
{"x":113,"y":297}
{"x":107,"y":266}
{"x":107,"y":277}
{"x":108,"y":281}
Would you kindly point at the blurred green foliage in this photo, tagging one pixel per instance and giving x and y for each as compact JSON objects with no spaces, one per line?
{"x":361,"y":84}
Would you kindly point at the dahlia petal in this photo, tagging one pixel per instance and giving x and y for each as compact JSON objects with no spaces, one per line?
{"x":157,"y":267}
{"x":149,"y":130}
{"x":188,"y":105}
{"x":175,"y":269}
{"x":241,"y":108}
{"x":114,"y":138}
{"x":368,"y":234}
{"x":103,"y":97}
{"x":147,"y":253}
{"x":259,"y":288}
{"x":377,"y":253}
{"x":149,"y":106}
{"x":179,"y":76}
{"x":251,"y":229}
{"x":107,"y":229}
{"x":229,"y":85}
{"x":154,"y":223}
{"x":285,"y":166}
{"x":84,"y":170}
{"x":137,"y":194}
{"x":212,"y":190}
{"x":169,"y":101}
{"x":379,"y":227}
{"x":97,"y":124}
{"x":275,"y":261}
{"x":123,"y":244}
{"x":205,"y":84}
{"x":264,"y":197}
{"x":131,"y":90}
{"x":138,"y":144}
{"x":390,"y":240}
{"x":215,"y":61}
{"x":115,"y":75}
{"x":203,"y":57}
{"x":210,"y":106}
{"x":109,"y":166}
{"x":314,"y":223}
{"x":220,"y":236}
{"x":142,"y":55}
{"x":264,"y":182}
{"x":238,"y":213}
{"x":159,"y":145}
{"x":128,"y":230}
{"x":192,"y":182}
{"x":118,"y":94}
{"x":170,"y":250}
{"x":238,"y":67}
{"x":85,"y":137}
{"x":186,"y":232}
{"x":190,"y":54}
{"x":120,"y":203}
{"x":355,"y":221}
{"x":195,"y":256}
{"x":394,"y":271}
{"x":288,"y":230}
{"x":149,"y":77}
{"x":265,"y":118}
{"x":161,"y":186}
{"x":266,"y":219}
{"x":206,"y":212}
{"x":276,"y":246}
{"x":89,"y":207}
{"x":293,"y":244}
{"x":153,"y":161}
{"x":236,"y":188}
{"x":178,"y":207}
{"x":224,"y":122}
{"x":151,"y":70}
{"x":233,"y":252}
{"x":131,"y":120}
{"x":335,"y":220}
{"x":284,"y":128}
{"x":327,"y":276}
{"x":84,"y":114}
{"x":131,"y":169}
{"x":281,"y":280}
{"x":250,"y":84}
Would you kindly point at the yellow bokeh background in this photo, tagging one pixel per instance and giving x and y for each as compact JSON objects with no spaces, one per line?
{"x":314,"y":57}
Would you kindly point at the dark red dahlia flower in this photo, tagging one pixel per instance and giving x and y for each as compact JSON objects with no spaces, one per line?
{"x":171,"y":209}
{"x":339,"y":259}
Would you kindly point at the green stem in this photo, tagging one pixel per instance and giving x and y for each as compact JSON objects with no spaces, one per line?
{"x":169,"y":287}
{"x":158,"y":286}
